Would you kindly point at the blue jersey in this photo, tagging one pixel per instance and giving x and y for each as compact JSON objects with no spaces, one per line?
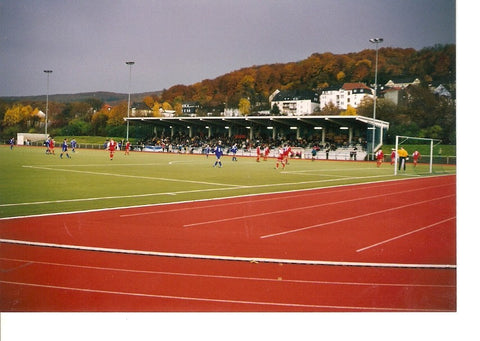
{"x":64,"y":146}
{"x":234,"y":149}
{"x":218,"y":151}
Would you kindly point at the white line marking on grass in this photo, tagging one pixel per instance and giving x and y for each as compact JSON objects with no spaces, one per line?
{"x":395,"y":179}
{"x":225,"y":258}
{"x":27,"y":262}
{"x":174,"y":162}
{"x":310,"y":206}
{"x":405,"y":234}
{"x":132,"y":176}
{"x":218,"y":300}
{"x":329,"y":170}
{"x":232,"y":187}
{"x":353,"y":217}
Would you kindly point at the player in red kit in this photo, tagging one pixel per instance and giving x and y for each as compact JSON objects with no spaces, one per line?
{"x":281,"y":158}
{"x":287,"y":151}
{"x":416,"y":156}
{"x":380,"y":157}
{"x":392,"y":157}
{"x":112,"y":145}
{"x":266,"y":151}
{"x":127,"y":148}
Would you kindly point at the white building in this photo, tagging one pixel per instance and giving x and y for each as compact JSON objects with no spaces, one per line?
{"x":350,"y":94}
{"x":296,"y":102}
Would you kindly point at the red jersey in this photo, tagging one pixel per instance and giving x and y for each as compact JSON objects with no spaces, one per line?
{"x":112,"y":145}
{"x":416,"y":155}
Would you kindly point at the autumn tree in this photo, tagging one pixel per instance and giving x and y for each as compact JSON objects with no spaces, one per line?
{"x":116,"y":114}
{"x":244,"y":106}
{"x":350,"y":111}
{"x":18,"y":115}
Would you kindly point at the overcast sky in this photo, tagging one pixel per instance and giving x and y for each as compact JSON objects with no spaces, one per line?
{"x":86,"y":43}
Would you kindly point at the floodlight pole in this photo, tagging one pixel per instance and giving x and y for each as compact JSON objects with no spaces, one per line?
{"x":48,"y":72}
{"x":375,"y":41}
{"x":129,"y":91}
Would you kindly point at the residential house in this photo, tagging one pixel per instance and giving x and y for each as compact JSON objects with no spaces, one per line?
{"x":140,"y":109}
{"x":296,"y":102}
{"x":402,"y":84}
{"x":350,"y":94}
{"x":190,"y":108}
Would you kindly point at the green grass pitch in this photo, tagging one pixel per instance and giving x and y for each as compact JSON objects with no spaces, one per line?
{"x":32,"y":182}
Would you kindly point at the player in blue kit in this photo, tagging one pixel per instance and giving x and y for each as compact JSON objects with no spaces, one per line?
{"x":64,"y":149}
{"x":218,"y":153}
{"x":234,"y":150}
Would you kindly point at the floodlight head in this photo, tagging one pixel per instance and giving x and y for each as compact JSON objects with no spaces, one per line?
{"x":47,"y":71}
{"x":129,"y":63}
{"x":376,"y":40}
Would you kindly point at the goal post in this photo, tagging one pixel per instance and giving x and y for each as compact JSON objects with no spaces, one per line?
{"x":405,"y":141}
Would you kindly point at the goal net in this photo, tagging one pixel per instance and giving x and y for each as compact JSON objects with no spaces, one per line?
{"x":415,"y":152}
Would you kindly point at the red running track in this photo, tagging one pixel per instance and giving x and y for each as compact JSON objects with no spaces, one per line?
{"x":386,"y":246}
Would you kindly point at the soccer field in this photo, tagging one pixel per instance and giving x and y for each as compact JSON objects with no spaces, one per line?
{"x":33,"y":183}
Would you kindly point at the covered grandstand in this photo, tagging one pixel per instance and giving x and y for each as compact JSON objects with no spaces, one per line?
{"x":338,"y":131}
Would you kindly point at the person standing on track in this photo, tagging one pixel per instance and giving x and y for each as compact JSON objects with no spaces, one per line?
{"x":258,"y":153}
{"x":218,"y":154}
{"x":112,"y":145}
{"x":402,"y":158}
{"x":416,"y":156}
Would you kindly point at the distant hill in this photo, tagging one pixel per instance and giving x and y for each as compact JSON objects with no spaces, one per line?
{"x":111,"y":98}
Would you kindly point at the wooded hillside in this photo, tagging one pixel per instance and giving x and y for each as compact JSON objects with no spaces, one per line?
{"x":320,"y":70}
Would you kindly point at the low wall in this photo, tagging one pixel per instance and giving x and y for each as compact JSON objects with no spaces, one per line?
{"x":26,"y":138}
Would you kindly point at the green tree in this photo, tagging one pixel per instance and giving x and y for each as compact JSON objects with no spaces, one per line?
{"x":275,"y":110}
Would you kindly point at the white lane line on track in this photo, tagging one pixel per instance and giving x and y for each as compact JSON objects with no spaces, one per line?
{"x":27,"y":262}
{"x":309,"y":207}
{"x":354,"y":217}
{"x":405,"y":234}
{"x":228,"y":258}
{"x":219,"y":300}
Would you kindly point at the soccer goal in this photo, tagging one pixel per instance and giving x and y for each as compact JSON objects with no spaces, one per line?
{"x":413,"y":145}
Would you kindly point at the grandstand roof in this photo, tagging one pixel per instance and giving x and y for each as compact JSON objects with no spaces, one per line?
{"x":284,"y":121}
